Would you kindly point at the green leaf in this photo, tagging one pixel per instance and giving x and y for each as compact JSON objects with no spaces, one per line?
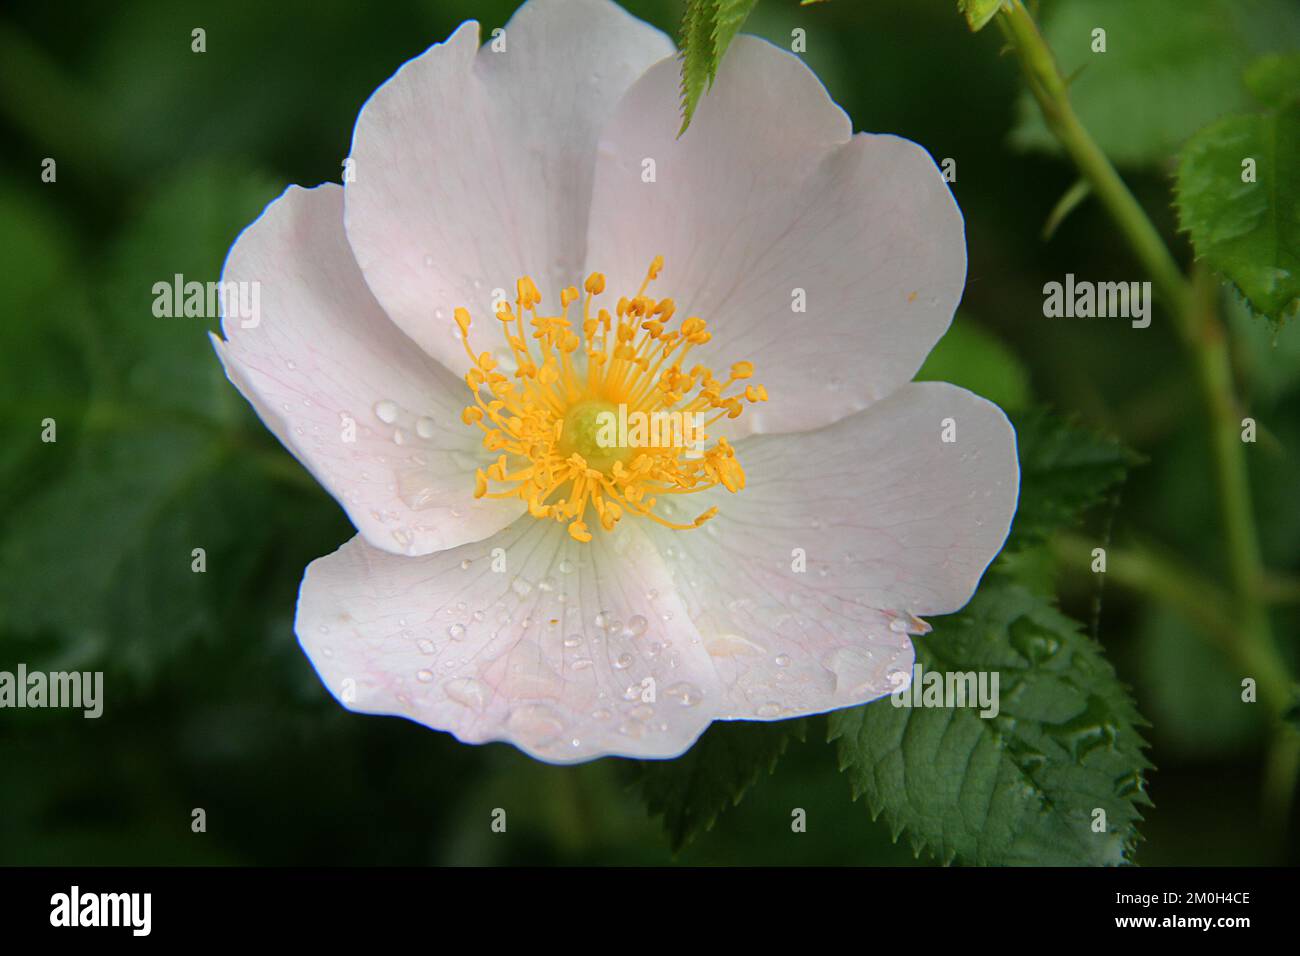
{"x":1021,"y":787}
{"x":155,"y":454}
{"x":1064,"y":470}
{"x":1268,"y":355}
{"x":729,"y":758}
{"x":1274,"y":79}
{"x":42,"y":368}
{"x":979,"y":12}
{"x":708,"y":28}
{"x":1193,"y":691}
{"x":1292,"y":714}
{"x":970,"y":356}
{"x":1170,"y":67}
{"x":1247,"y":231}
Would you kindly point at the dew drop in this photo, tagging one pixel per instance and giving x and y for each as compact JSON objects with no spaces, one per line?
{"x":467,"y":692}
{"x":688,"y":695}
{"x":535,"y":722}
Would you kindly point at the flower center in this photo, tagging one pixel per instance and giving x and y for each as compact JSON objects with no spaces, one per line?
{"x":602,"y":415}
{"x":586,"y":431}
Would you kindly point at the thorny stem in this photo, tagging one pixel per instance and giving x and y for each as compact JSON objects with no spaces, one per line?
{"x":1193,"y":307}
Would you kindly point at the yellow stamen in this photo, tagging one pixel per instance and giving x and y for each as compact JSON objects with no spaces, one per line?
{"x":562,"y":431}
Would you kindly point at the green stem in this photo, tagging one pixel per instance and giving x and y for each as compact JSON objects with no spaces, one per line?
{"x":1147,"y":571}
{"x":1049,"y":88}
{"x":1193,"y":307}
{"x":1280,"y":589}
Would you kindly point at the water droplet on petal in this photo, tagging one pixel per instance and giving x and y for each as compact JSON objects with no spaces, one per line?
{"x":467,"y":692}
{"x":858,"y":670}
{"x":688,"y":695}
{"x":731,"y":645}
{"x":535,"y":723}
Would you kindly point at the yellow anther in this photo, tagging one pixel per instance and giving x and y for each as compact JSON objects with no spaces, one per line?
{"x":706,"y":516}
{"x":567,"y":375}
{"x":526,"y":293}
{"x":462,"y":320}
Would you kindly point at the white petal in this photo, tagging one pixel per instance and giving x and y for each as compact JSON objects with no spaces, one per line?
{"x":473,"y":167}
{"x":766,"y":199}
{"x":322,"y":364}
{"x":570,"y":652}
{"x":891,"y":521}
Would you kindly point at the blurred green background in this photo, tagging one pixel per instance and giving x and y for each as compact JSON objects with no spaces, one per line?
{"x":164,"y":155}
